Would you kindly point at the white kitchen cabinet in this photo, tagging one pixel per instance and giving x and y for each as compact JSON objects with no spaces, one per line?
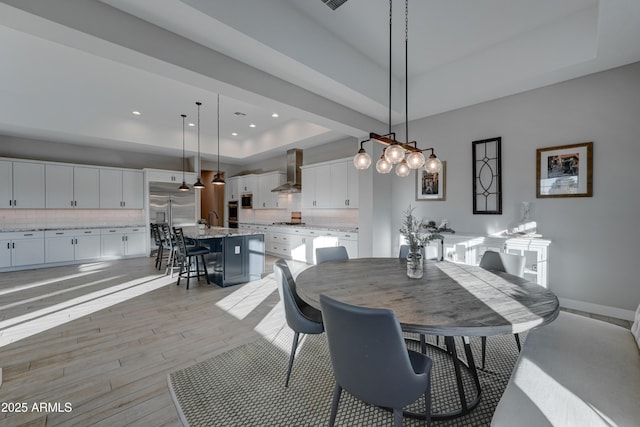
{"x":300,"y":243}
{"x":233,"y":188}
{"x":265,"y":198}
{"x":343,"y":178}
{"x":316,"y":189}
{"x":159,"y":175}
{"x":72,"y":245}
{"x":22,"y":248}
{"x":72,"y":187}
{"x":22,"y":185}
{"x":248,"y":184}
{"x":350,"y":242}
{"x":330,"y":185}
{"x":121,"y":189}
{"x":119,"y":242}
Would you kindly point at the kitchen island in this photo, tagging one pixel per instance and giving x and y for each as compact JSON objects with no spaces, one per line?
{"x":236,"y":255}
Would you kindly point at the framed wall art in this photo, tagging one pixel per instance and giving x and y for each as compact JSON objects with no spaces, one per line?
{"x":565,"y":171}
{"x":487,"y":176}
{"x":431,"y":186}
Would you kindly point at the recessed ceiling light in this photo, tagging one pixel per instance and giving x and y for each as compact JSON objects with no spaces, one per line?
{"x":252,"y":125}
{"x":136,"y":113}
{"x":275,"y":115}
{"x":191,"y":124}
{"x":234,"y":133}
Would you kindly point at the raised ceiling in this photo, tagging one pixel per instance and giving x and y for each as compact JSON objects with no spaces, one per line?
{"x":74,"y":71}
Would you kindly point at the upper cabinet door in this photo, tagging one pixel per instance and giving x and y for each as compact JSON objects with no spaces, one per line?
{"x":59,"y":187}
{"x":353,"y":186}
{"x":6,"y":184}
{"x":28,"y":185}
{"x":86,"y":188}
{"x":339,"y":185}
{"x":132,"y":189}
{"x":110,"y":189}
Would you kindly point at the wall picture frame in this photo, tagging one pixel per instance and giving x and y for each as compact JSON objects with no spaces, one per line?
{"x":431,"y":186}
{"x":487,"y":176}
{"x":564,"y":171}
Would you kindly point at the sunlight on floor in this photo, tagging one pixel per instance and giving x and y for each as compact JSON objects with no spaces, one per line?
{"x":44,"y":282}
{"x":20,"y":327}
{"x":244,"y":300}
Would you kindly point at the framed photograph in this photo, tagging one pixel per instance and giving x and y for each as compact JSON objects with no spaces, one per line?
{"x":565,"y":171}
{"x":431,"y":186}
{"x":487,"y":176}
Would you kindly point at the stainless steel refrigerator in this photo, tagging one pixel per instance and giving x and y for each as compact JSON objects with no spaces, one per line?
{"x":167,"y":204}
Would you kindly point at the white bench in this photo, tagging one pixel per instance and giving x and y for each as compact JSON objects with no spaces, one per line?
{"x":576,"y":371}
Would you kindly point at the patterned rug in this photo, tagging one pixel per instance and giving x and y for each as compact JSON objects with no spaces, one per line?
{"x":245,"y":387}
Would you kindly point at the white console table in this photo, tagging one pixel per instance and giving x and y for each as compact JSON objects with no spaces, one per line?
{"x":468,"y":248}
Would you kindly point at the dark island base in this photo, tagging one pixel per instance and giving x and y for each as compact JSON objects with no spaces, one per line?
{"x":234,"y":259}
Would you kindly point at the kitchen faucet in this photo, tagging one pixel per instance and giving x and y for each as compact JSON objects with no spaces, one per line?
{"x":209,"y":218}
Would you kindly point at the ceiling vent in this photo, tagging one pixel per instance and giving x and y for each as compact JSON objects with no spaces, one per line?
{"x":334,"y":4}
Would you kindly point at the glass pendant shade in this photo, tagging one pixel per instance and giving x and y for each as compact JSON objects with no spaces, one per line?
{"x":362,"y":160}
{"x":433,"y":165}
{"x":394,"y":153}
{"x":402,"y":169}
{"x":383,"y":166}
{"x":415,"y":160}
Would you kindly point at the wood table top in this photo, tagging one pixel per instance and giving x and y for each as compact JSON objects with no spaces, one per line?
{"x":451,"y":299}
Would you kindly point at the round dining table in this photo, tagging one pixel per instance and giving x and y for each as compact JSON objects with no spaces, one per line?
{"x":450,"y":300}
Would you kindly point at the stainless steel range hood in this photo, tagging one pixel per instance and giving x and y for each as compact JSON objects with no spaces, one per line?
{"x":294,"y":174}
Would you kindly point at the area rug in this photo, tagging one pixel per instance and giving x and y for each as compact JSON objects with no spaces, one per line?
{"x":245,"y":387}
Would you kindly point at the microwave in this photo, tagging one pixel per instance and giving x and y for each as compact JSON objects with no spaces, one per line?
{"x":246,"y":201}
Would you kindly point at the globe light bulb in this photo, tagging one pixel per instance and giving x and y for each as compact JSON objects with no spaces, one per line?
{"x":402,"y":169}
{"x":433,"y":165}
{"x":415,"y":160}
{"x":394,"y":153}
{"x":362,"y":160}
{"x":383,"y":166}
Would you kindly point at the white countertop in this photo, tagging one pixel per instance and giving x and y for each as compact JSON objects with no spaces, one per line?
{"x":217,"y":232}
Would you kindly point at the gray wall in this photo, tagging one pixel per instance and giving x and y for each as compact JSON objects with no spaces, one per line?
{"x":595,"y":240}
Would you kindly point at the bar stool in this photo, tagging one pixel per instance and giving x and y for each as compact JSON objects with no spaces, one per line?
{"x":185,"y":254}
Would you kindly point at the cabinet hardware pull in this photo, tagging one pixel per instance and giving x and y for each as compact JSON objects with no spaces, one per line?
{"x":8,"y":245}
{"x":28,"y":234}
{"x":59,"y":233}
{"x":10,"y":202}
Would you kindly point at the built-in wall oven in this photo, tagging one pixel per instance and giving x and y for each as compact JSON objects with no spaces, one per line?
{"x":233,"y":214}
{"x":246,"y":201}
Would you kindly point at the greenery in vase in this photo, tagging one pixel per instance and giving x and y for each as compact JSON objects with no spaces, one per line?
{"x":417,"y":232}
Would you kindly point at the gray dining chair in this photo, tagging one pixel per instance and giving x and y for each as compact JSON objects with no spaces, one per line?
{"x":300,"y":316}
{"x":371,"y":361}
{"x":332,"y":253}
{"x":186,"y":256}
{"x":509,"y":263}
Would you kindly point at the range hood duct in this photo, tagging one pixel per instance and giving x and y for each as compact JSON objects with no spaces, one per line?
{"x":294,"y":174}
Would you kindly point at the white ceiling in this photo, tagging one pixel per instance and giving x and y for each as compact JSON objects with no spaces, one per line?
{"x":74,"y":71}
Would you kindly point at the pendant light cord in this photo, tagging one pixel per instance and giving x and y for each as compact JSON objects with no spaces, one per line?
{"x":218,"y":172}
{"x":199,"y":167}
{"x":390,"y":62}
{"x":183,"y":117}
{"x":406,"y":69}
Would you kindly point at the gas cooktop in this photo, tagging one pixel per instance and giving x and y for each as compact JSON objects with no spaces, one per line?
{"x":288,"y":223}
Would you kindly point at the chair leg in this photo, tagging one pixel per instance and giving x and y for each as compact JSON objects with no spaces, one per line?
{"x":179,"y":274}
{"x":423,"y":344}
{"x":427,"y":404}
{"x":397,"y":417}
{"x":294,"y":347}
{"x":188,"y":261}
{"x":337,"y":391}
{"x":517,"y":337}
{"x":484,"y":350}
{"x":197,"y":269}
{"x":204,"y":266}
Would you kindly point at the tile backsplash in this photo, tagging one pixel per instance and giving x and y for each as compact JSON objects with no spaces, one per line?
{"x":20,"y":219}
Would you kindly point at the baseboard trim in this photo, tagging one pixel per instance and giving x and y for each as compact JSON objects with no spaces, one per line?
{"x":603,"y":310}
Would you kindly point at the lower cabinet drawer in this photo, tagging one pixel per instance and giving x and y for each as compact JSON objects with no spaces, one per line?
{"x":278,"y":249}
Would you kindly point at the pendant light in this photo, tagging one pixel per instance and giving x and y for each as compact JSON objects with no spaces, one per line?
{"x":395,"y":151}
{"x":184,"y":186}
{"x":217,"y":179}
{"x":199,"y":185}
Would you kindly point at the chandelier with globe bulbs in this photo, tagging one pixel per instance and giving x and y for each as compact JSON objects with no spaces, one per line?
{"x":405,"y":155}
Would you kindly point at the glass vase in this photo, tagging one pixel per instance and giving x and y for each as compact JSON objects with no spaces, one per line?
{"x":415,"y":264}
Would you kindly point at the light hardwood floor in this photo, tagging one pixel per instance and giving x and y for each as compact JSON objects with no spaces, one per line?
{"x":111,"y":365}
{"x":111,"y":362}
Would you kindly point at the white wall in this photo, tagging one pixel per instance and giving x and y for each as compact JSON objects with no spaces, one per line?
{"x":595,"y":240}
